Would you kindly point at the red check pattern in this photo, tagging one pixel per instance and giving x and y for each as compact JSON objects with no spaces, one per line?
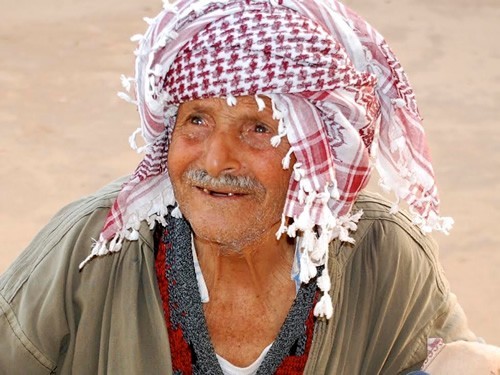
{"x":347,"y":101}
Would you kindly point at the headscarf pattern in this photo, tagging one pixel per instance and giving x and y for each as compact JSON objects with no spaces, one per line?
{"x":340,"y":95}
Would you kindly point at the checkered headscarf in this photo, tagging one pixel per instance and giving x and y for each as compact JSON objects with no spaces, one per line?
{"x":342,"y":100}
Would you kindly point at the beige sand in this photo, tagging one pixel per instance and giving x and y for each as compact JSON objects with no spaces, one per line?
{"x":63,"y":131}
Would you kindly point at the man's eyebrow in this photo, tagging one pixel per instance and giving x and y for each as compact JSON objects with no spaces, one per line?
{"x":202,"y":105}
{"x":196,"y":108}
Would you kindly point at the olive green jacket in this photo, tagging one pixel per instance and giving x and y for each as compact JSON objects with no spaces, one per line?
{"x":389,"y":296}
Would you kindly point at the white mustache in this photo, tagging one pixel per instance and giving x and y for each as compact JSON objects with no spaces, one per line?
{"x":237,"y":184}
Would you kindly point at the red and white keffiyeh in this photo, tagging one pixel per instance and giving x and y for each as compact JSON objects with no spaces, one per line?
{"x":342,"y":100}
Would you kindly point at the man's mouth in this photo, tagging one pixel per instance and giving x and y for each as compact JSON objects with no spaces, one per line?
{"x":215,"y":193}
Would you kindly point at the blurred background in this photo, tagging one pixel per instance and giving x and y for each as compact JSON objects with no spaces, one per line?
{"x":63,"y":130}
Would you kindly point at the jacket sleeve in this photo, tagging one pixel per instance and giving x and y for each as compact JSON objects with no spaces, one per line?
{"x":36,"y":291}
{"x":18,"y":354}
{"x":390,"y":296}
{"x":410,"y":297}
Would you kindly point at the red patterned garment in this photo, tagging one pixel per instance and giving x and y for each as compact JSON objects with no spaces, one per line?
{"x":291,"y":359}
{"x":342,"y":99}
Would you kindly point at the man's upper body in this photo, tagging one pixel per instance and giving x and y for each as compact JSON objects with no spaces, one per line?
{"x":389,"y":294}
{"x":235,"y":221}
{"x":242,"y":238}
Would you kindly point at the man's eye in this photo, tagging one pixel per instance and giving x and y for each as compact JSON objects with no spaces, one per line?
{"x":196,"y":120}
{"x":261,"y":128}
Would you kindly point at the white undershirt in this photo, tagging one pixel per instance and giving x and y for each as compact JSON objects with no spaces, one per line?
{"x":229,"y":369}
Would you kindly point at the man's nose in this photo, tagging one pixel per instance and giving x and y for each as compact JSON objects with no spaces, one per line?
{"x":221,"y":154}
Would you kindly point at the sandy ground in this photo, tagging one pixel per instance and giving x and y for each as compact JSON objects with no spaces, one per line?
{"x":63,"y":131}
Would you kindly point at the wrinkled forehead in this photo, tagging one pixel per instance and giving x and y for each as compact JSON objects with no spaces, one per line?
{"x":243,"y":105}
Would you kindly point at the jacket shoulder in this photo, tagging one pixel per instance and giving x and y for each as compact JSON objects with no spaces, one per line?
{"x":69,"y":234}
{"x":392,"y":238}
{"x":377,"y":211}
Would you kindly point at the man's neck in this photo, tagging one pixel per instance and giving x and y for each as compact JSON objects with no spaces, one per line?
{"x":251,"y":269}
{"x":251,"y":293}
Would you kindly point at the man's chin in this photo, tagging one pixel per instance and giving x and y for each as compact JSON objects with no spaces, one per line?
{"x":229,"y":238}
{"x":232,"y":229}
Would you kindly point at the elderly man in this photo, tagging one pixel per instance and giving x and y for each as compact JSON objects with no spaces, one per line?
{"x":243,"y":244}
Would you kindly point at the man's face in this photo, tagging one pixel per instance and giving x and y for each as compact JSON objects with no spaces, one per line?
{"x":212,"y":143}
